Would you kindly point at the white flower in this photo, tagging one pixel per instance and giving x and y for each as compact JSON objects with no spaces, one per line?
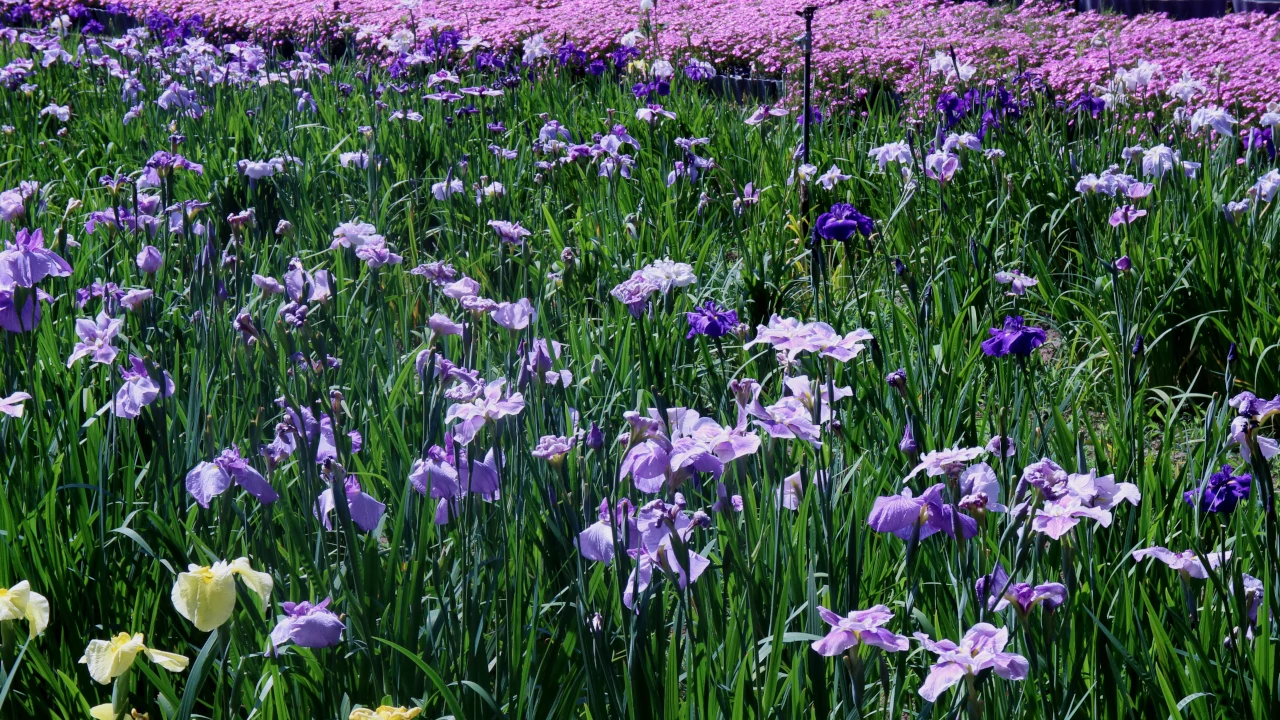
{"x":1186,"y":88}
{"x":397,"y":42}
{"x":1138,"y":77}
{"x":804,"y":173}
{"x":535,"y":47}
{"x":1213,"y":117}
{"x":471,"y":43}
{"x":662,"y":69}
{"x":951,"y":68}
{"x":1159,"y":160}
{"x":899,"y":152}
{"x":62,"y":112}
{"x":632,"y":38}
{"x":1271,"y":118}
{"x":667,"y":274}
{"x":646,"y":6}
{"x":829,"y":178}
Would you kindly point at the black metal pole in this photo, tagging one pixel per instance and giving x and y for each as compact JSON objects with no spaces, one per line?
{"x":807,"y":14}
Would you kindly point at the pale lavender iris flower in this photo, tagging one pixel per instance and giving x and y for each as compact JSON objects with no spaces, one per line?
{"x":860,"y":627}
{"x":210,"y":479}
{"x":365,"y":510}
{"x":490,"y":406}
{"x":1187,"y":563}
{"x":139,"y":390}
{"x":999,"y":593}
{"x":95,"y":339}
{"x":25,"y":261}
{"x":982,"y":648}
{"x":898,"y":514}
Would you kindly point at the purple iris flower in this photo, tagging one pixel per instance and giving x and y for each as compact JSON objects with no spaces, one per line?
{"x":1186,"y":562}
{"x":95,"y":339}
{"x":308,"y":626}
{"x":210,"y":479}
{"x":950,"y":461}
{"x":25,"y":261}
{"x":1090,"y":104}
{"x":326,"y":442}
{"x":149,"y":259}
{"x":1221,"y":493}
{"x":479,"y":477}
{"x":898,"y":514}
{"x":842,"y":222}
{"x":982,"y":648}
{"x":1015,"y":338}
{"x":597,"y":540}
{"x":139,"y":390}
{"x":509,"y":231}
{"x":624,"y":55}
{"x":570,"y":55}
{"x":634,"y":292}
{"x":1022,"y":596}
{"x":434,"y":475}
{"x":365,"y":510}
{"x":1057,"y":517}
{"x":303,"y":286}
{"x":712,"y":320}
{"x":516,"y":315}
{"x":659,"y":524}
{"x":860,"y":627}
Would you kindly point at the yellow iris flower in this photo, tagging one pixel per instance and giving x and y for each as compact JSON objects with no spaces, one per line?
{"x":18,"y":602}
{"x":109,"y":659}
{"x":207,"y":595}
{"x":384,"y":712}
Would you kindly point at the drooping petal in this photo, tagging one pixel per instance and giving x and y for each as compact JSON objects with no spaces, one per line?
{"x":893,"y":513}
{"x":259,"y":582}
{"x":365,"y":511}
{"x":252,"y":481}
{"x":885,"y":640}
{"x":1010,"y":666}
{"x":941,"y":677}
{"x":836,"y":642}
{"x":596,"y":542}
{"x":207,"y":481}
{"x":172,"y":662}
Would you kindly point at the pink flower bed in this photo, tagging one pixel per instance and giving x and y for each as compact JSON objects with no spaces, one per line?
{"x":1237,"y":57}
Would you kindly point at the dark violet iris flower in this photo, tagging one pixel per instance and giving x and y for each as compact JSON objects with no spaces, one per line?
{"x":624,"y":55}
{"x":645,"y":89}
{"x":1221,"y":493}
{"x":842,"y":222}
{"x":20,"y":321}
{"x":570,"y":55}
{"x":1260,"y":140}
{"x":1015,"y":338}
{"x":711,"y":320}
{"x":1090,"y":104}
